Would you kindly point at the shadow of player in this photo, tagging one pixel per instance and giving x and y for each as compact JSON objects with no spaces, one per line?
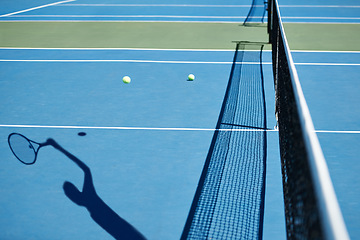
{"x":101,"y":213}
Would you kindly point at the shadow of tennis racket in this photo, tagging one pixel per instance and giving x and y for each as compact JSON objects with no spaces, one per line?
{"x":26,"y":151}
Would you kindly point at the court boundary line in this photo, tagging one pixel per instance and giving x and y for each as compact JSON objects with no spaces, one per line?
{"x":136,"y":128}
{"x":163,"y":128}
{"x":165,"y":49}
{"x":130,"y":49}
{"x":157,"y":5}
{"x":321,"y":51}
{"x":319,"y":6}
{"x":171,"y":16}
{"x":322,"y":18}
{"x":121,"y":60}
{"x":287,"y":22}
{"x":163,"y":61}
{"x":132,"y":16}
{"x":338,"y":131}
{"x":34,"y":8}
{"x":162,"y":21}
{"x":205,"y":5}
{"x":125,"y":21}
{"x":326,"y":64}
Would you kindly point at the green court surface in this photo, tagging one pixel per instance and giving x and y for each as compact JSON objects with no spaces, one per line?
{"x":323,"y":37}
{"x":127,"y":35}
{"x":301,"y":36}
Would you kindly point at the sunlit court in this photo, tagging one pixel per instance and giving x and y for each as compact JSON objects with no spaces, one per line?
{"x":179,"y":119}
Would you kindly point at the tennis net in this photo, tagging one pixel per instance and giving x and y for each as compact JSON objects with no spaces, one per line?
{"x":229,"y":200}
{"x":311,"y":207}
{"x":256,"y":13}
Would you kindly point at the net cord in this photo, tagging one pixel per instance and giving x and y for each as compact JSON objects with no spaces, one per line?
{"x":331,"y":216}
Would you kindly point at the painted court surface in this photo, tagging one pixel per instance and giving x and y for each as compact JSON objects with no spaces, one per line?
{"x":61,"y":65}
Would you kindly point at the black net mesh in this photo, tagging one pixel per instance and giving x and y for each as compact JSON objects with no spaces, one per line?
{"x":229,"y":202}
{"x":256,"y":13}
{"x":301,"y":210}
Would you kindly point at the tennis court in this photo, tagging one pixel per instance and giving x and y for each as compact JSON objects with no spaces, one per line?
{"x":146,"y":143}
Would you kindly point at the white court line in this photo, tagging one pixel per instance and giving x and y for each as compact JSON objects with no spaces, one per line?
{"x":328,"y":64}
{"x":319,"y":6}
{"x":345,"y":131}
{"x":324,"y":18}
{"x":142,"y":19}
{"x":130,"y":21}
{"x":163,"y":21}
{"x":175,"y":16}
{"x":123,"y":60}
{"x":314,"y":22}
{"x":136,"y":128}
{"x":161,"y":128}
{"x":320,"y":51}
{"x":34,"y":8}
{"x":166,"y":49}
{"x":133,"y":16}
{"x":158,"y":5}
{"x":130,"y":49}
{"x":205,"y":6}
{"x":163,"y":61}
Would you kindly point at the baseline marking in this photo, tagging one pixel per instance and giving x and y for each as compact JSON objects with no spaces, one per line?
{"x":163,"y":128}
{"x":130,"y":49}
{"x":318,"y":6}
{"x":314,"y":22}
{"x":163,"y":21}
{"x":322,"y":51}
{"x":126,"y":61}
{"x":328,"y":64}
{"x":137,"y":128}
{"x":127,"y":21}
{"x":158,"y":5}
{"x":165,"y":61}
{"x":173,"y":16}
{"x":34,"y":8}
{"x":209,"y":6}
{"x":179,"y":19}
{"x":324,"y":18}
{"x":165,"y":49}
{"x":328,"y":131}
{"x":133,"y":16}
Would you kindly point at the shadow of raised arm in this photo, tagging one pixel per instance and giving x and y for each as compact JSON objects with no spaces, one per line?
{"x":100,"y":212}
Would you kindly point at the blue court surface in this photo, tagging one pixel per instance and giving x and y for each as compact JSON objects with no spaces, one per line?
{"x":146,"y":142}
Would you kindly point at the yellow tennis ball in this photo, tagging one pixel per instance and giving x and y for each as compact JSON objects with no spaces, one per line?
{"x":126,"y":79}
{"x":191,"y":77}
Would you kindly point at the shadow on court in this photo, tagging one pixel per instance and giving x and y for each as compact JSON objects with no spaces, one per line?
{"x":99,"y":211}
{"x":26,"y":151}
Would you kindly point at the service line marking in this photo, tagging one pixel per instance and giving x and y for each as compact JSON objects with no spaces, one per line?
{"x":34,"y":8}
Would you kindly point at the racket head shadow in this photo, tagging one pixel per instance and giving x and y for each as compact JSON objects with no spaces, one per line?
{"x":24,"y":149}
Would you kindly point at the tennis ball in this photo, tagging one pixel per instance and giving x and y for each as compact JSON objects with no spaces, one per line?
{"x":191,"y":77}
{"x":126,"y":79}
